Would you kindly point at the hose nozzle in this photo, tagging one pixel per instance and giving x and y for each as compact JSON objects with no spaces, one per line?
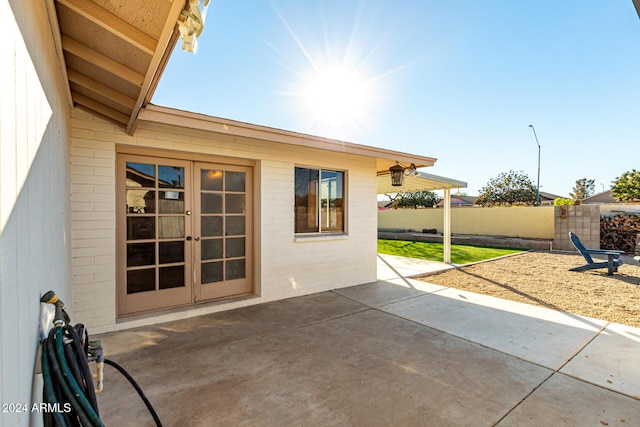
{"x":49,"y":298}
{"x":61,"y":315}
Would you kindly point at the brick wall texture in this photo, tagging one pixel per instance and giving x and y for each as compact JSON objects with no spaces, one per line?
{"x":286,"y":266}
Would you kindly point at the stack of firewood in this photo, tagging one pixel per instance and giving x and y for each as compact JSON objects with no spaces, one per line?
{"x":620,"y":232}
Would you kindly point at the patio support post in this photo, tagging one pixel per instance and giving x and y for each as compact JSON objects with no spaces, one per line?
{"x":446,"y":233}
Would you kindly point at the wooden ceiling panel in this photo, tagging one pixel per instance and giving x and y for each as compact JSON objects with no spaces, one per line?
{"x":101,"y":98}
{"x":111,"y":23}
{"x":75,"y":90}
{"x":99,"y":88}
{"x":146,"y":15}
{"x":114,"y":51}
{"x":102,"y":41}
{"x":99,"y":108}
{"x":87,"y":68}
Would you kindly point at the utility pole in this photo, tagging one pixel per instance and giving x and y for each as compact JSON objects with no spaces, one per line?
{"x":538,"y":188}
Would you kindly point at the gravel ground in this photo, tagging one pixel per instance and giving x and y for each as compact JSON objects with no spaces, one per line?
{"x":544,"y":279}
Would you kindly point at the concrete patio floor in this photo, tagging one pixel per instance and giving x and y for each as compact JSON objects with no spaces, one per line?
{"x":397,"y":352}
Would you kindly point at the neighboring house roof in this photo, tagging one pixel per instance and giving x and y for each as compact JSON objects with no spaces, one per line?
{"x":548,"y":196}
{"x":459,"y":200}
{"x":114,"y":54}
{"x":602,"y":197}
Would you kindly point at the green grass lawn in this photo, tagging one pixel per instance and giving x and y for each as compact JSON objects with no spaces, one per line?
{"x":460,"y":254}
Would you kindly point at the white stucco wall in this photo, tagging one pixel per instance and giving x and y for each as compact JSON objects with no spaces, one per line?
{"x":285,"y":266}
{"x":34,"y":212}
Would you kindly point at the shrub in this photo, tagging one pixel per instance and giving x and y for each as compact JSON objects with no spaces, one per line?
{"x":562,"y":201}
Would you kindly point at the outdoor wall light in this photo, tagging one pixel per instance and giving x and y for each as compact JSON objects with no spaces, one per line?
{"x":397,"y":175}
{"x":191,"y":23}
{"x":411,"y":170}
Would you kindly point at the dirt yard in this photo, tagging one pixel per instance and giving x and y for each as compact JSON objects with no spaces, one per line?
{"x":543,"y":279}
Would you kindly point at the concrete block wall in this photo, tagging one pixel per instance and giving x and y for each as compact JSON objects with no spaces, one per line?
{"x":93,"y":247}
{"x":286,"y":265}
{"x":583,"y":220}
{"x":521,"y":222}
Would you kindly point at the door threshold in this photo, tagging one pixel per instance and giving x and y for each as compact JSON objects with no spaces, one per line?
{"x":178,"y":313}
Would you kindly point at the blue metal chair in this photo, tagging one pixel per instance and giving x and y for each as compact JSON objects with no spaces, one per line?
{"x":613,"y":257}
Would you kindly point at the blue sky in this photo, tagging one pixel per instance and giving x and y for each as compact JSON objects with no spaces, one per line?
{"x":456,"y":80}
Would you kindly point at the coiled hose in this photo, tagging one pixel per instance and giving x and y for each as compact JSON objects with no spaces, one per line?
{"x":67,"y":380}
{"x":69,"y":391}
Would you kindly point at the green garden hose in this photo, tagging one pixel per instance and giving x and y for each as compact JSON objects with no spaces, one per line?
{"x":68,"y":386}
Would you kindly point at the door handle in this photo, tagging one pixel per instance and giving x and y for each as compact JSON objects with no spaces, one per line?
{"x":197,"y":238}
{"x":188,"y":238}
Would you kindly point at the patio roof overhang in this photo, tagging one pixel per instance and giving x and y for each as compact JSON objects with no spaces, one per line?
{"x":384,"y":158}
{"x":112,"y":55}
{"x":420,"y":181}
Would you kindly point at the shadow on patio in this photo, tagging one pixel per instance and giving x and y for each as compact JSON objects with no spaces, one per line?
{"x":397,"y":352}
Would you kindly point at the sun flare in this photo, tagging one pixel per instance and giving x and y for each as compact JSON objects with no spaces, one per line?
{"x":336,"y":95}
{"x":332,"y":86}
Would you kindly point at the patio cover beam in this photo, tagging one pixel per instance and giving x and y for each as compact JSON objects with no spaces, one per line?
{"x":101,"y":61}
{"x":100,"y":89}
{"x":427,"y":182}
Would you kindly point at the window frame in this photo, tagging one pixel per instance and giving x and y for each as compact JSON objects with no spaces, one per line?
{"x":320,"y":232}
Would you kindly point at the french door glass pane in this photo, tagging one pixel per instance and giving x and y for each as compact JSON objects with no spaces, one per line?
{"x":170,"y":227}
{"x":234,"y":203}
{"x":234,"y":181}
{"x":141,"y":201}
{"x":170,"y":252}
{"x":141,"y":280}
{"x":141,"y":175}
{"x":210,"y":180}
{"x":171,"y":277}
{"x":171,"y":202}
{"x":235,"y":269}
{"x":211,"y":226}
{"x":139,"y":228}
{"x":211,"y":249}
{"x":211,"y":203}
{"x":212,"y":272}
{"x":234,"y":225}
{"x":234,"y":248}
{"x":139,"y":254}
{"x":170,"y":177}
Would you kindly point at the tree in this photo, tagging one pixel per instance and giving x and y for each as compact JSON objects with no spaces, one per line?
{"x":584,"y":188}
{"x":418,"y":199}
{"x":508,"y":189}
{"x":626,"y":187}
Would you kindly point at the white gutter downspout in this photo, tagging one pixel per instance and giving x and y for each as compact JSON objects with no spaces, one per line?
{"x":446,"y":233}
